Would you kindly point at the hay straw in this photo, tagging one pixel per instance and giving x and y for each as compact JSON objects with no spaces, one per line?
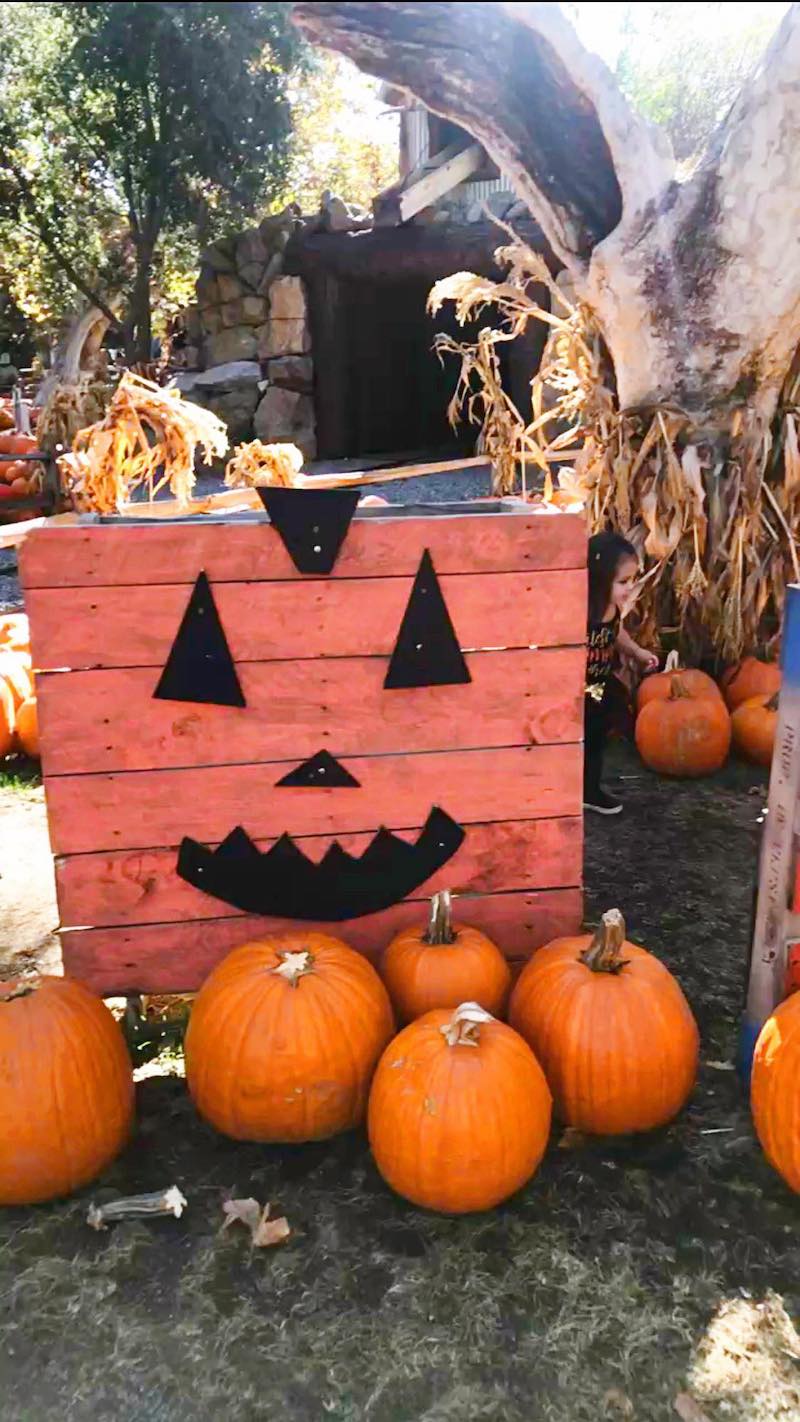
{"x":257,"y":465}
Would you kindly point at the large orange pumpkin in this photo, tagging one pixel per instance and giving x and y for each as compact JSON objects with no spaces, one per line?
{"x":684,"y":735}
{"x":611,"y":1028}
{"x":658,"y":687}
{"x":753,"y":725}
{"x":284,"y":1037}
{"x":775,"y":1090}
{"x":66,"y":1089}
{"x":27,"y":728}
{"x":439,"y":966}
{"x":15,"y":672}
{"x":749,"y":678}
{"x":8,"y":716}
{"x":459,"y":1112}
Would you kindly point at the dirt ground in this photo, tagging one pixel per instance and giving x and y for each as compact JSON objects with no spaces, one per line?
{"x":632,"y":1280}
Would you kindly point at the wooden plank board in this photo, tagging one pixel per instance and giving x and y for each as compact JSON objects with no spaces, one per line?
{"x":89,"y":813}
{"x":136,"y":626}
{"x":125,"y":554}
{"x":142,"y":886}
{"x":108,"y":720}
{"x":177,"y":957}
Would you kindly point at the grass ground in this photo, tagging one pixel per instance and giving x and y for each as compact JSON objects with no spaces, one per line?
{"x":647,"y":1280}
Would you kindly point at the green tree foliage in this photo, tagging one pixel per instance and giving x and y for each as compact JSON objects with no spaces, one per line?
{"x":127,"y":131}
{"x":682,"y":65}
{"x":344,"y":139}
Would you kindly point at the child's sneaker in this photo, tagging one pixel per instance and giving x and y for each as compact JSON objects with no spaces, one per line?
{"x":602,"y":803}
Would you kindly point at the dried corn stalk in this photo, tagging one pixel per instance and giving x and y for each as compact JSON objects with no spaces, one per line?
{"x":70,"y":408}
{"x":256,"y":465}
{"x":713,"y":519}
{"x":146,"y":441}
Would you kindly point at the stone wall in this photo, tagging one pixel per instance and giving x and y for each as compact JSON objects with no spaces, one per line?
{"x":249,"y":338}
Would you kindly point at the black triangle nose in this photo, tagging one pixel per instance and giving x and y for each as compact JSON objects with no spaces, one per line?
{"x":320,"y":770}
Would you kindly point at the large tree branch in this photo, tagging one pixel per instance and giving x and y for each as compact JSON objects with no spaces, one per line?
{"x":518,"y":79}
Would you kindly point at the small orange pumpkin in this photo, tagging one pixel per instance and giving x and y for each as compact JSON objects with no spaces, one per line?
{"x":612,"y":1029}
{"x":684,"y":735}
{"x":27,"y":728}
{"x":459,"y":1111}
{"x":66,"y":1089}
{"x":438,"y":966}
{"x":15,"y":672}
{"x":753,"y":725}
{"x":774,"y":1086}
{"x":659,"y":686}
{"x":751,"y":677}
{"x":8,"y":717}
{"x":284,"y":1037}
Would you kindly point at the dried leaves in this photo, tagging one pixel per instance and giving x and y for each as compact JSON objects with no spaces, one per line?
{"x":713,"y":518}
{"x":147,"y":440}
{"x":264,"y":1232}
{"x":257,"y":465}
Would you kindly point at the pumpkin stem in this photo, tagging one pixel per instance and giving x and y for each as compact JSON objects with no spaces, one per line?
{"x":772,"y":704}
{"x":673,"y":662}
{"x":678,"y":689}
{"x":23,"y":989}
{"x":462,"y":1029}
{"x":602,"y":955}
{"x":440,"y":923}
{"x":294,"y":966}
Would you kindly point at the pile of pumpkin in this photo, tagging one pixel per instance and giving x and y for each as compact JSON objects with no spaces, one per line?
{"x":19,"y":730}
{"x":685,"y":722}
{"x":19,"y":478}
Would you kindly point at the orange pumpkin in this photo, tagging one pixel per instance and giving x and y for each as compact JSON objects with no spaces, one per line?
{"x":14,"y":443}
{"x":437,"y":966}
{"x":753,"y":725}
{"x":27,"y":728}
{"x":66,"y":1089}
{"x":684,"y":735}
{"x":284,"y":1037}
{"x":611,"y":1028}
{"x":14,"y":632}
{"x":459,"y":1112}
{"x":774,"y":1086}
{"x":8,"y":716}
{"x":15,"y":672}
{"x":659,"y":686}
{"x":750,"y":678}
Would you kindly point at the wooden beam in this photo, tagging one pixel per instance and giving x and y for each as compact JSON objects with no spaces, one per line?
{"x":433,"y":184}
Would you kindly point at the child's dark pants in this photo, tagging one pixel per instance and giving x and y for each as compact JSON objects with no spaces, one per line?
{"x":595,"y":732}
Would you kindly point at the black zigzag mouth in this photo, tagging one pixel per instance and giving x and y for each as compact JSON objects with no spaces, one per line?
{"x":284,"y":883}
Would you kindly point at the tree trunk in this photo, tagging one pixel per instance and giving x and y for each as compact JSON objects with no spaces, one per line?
{"x":139,"y":328}
{"x":695,"y":285}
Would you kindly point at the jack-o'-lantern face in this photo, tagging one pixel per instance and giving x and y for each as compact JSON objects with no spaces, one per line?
{"x":283,"y":882}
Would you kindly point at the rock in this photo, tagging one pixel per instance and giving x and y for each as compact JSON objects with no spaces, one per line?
{"x":337,"y":214}
{"x":225,"y":377}
{"x":279,"y":338}
{"x":230,"y":287}
{"x":250,"y":247}
{"x":286,"y":417}
{"x":287,"y":300}
{"x":191,"y":357}
{"x":186,"y":381}
{"x":250,"y":274}
{"x":292,"y":372}
{"x":236,"y":408}
{"x":279,"y":226}
{"x":207,"y":288}
{"x":219,"y":256}
{"x":192,"y":323}
{"x":272,"y":270}
{"x":475,"y":212}
{"x":499,"y":203}
{"x":237,"y":343}
{"x":518,"y":209}
{"x":231,"y":313}
{"x":211,"y":319}
{"x":253,"y":310}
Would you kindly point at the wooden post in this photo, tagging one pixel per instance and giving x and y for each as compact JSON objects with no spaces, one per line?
{"x":774,"y":925}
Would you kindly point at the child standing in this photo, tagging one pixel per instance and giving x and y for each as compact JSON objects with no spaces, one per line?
{"x":613,"y":566}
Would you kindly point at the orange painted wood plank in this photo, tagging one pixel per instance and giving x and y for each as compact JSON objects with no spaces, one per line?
{"x":135,"y":627}
{"x":177,"y":957}
{"x":89,"y":813}
{"x":389,"y":545}
{"x":142,"y":886}
{"x":108,"y":720}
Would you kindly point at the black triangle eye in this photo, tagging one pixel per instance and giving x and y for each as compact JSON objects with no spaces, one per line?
{"x":426,"y":652}
{"x":311,"y":523}
{"x":200,"y":666}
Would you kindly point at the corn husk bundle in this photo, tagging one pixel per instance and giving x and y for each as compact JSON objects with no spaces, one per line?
{"x":714,"y":529}
{"x":257,"y":465}
{"x":146,"y":441}
{"x":70,"y":408}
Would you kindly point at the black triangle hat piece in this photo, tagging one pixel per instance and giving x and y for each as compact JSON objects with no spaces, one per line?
{"x":200,"y":666}
{"x":320,"y":770}
{"x":426,"y":652}
{"x":312,"y":523}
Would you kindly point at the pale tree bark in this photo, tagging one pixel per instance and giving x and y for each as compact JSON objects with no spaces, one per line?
{"x":696,"y":284}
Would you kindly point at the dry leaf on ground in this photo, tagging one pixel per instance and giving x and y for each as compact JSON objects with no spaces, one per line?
{"x":264,"y":1231}
{"x":688,"y":1409}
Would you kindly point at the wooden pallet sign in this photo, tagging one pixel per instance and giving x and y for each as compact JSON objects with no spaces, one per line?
{"x":315,"y":717}
{"x":777,"y":916}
